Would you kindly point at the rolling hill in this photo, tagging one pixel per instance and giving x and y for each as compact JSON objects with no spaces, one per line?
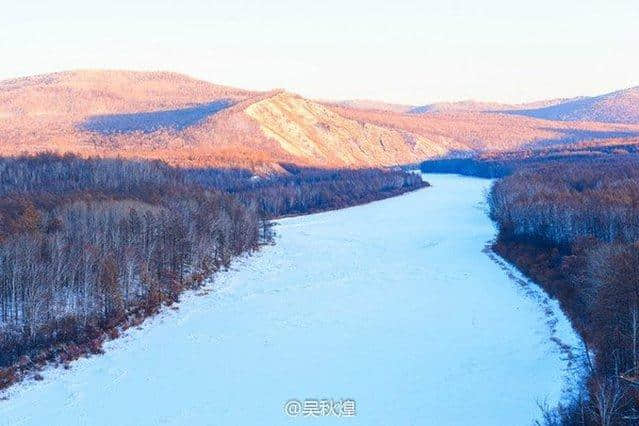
{"x":190,"y":122}
{"x":617,"y":107}
{"x":93,"y":92}
{"x":478,"y":106}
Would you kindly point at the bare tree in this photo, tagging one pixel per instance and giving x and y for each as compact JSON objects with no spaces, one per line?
{"x":608,"y":397}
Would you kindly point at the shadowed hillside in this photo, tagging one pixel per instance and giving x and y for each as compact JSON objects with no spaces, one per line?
{"x":146,"y":122}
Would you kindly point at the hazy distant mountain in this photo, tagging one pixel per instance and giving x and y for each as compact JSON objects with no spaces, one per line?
{"x":616,"y":107}
{"x":479,"y":106}
{"x":195,"y":123}
{"x":376,"y":105}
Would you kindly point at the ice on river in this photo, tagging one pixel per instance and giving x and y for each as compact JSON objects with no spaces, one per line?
{"x":392,"y":304}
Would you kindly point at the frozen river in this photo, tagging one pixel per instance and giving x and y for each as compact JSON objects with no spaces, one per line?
{"x":392,"y":305}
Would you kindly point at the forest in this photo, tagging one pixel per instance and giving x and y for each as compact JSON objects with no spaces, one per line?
{"x":499,"y":164}
{"x":92,"y":246}
{"x":308,"y":190}
{"x":573,"y":226}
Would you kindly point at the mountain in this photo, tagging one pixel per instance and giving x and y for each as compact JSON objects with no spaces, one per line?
{"x":471,"y":132}
{"x":309,"y":130}
{"x":478,"y":106}
{"x":190,"y":122}
{"x":375,"y":105}
{"x":617,"y":107}
{"x":193,"y":123}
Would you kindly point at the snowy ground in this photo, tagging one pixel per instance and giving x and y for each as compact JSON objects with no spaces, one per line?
{"x":392,"y":304}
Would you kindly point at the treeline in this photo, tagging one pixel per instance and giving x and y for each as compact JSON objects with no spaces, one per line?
{"x":86,"y":243}
{"x":308,"y":190}
{"x":500,"y":164}
{"x":574,"y":228}
{"x":88,"y":246}
{"x":485,"y":168}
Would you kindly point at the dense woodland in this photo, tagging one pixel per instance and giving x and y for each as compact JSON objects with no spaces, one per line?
{"x":308,"y":190}
{"x":500,"y":164}
{"x":90,"y":245}
{"x":574,"y":228}
{"x":83,"y":243}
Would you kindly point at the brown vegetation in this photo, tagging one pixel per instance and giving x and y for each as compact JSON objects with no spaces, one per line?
{"x":572,"y":227}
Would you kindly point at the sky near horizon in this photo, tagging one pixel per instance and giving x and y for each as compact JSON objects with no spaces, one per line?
{"x":402,"y":51}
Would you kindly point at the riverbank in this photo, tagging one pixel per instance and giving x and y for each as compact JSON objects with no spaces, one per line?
{"x":90,"y":247}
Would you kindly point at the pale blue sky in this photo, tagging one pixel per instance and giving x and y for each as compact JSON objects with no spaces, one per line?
{"x":401,"y":51}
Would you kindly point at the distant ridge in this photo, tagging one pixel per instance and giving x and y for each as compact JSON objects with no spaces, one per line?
{"x":375,"y":105}
{"x":617,"y":107}
{"x":478,"y":106}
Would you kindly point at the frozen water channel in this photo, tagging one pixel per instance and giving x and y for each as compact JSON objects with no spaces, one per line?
{"x":392,"y":304}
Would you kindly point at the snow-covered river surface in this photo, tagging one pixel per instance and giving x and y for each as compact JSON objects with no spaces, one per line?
{"x":393,"y":305}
